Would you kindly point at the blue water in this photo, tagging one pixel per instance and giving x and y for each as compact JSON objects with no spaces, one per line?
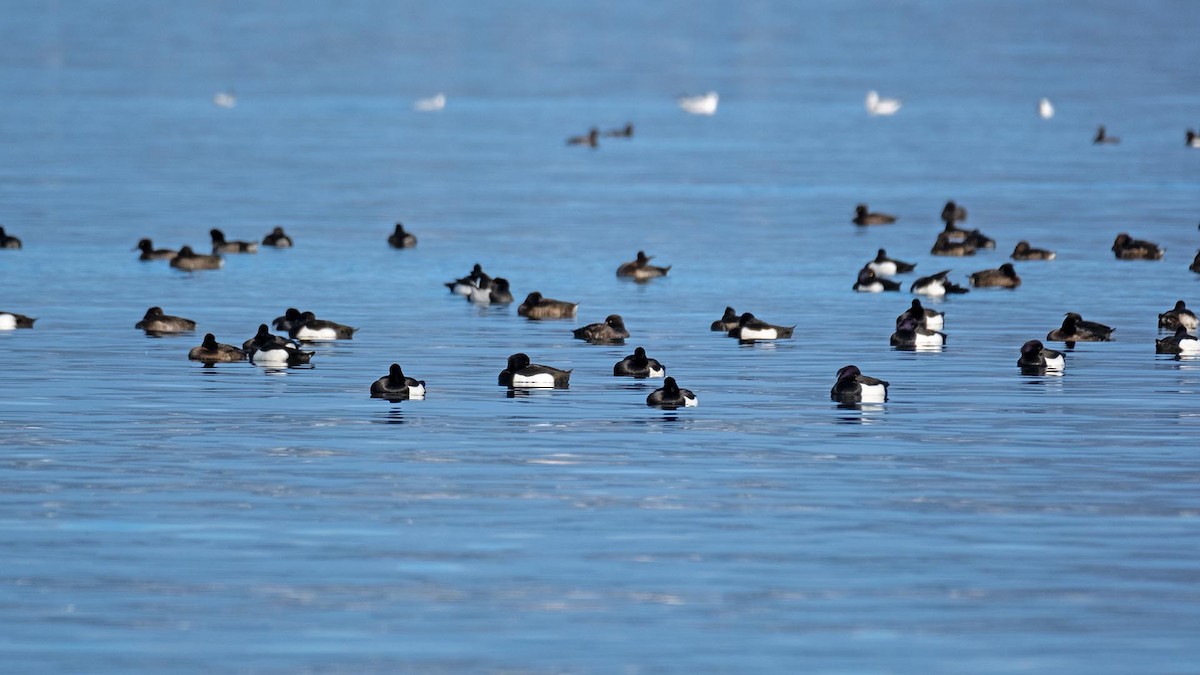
{"x":160,"y":516}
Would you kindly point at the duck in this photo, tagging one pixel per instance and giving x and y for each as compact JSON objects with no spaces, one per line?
{"x":538,"y":307}
{"x":946,"y":245}
{"x":264,"y":338}
{"x":641,"y":269}
{"x":1180,"y":315}
{"x":1036,"y":358}
{"x":491,"y":292}
{"x":1128,"y":248}
{"x":312,"y":329}
{"x":211,"y":351}
{"x":1045,"y":109}
{"x":936,"y":285}
{"x":465,"y":285}
{"x":279,"y":355}
{"x":521,"y":373}
{"x":624,"y":132}
{"x":952,"y":212}
{"x":1102,"y":137}
{"x":1193,"y":140}
{"x":639,"y":365}
{"x":884,"y":266}
{"x":910,"y":335}
{"x":862,"y":216}
{"x":925,"y":317}
{"x":401,"y":239}
{"x":1195,"y":266}
{"x":702,"y":104}
{"x":221,"y":246}
{"x":727,"y":322}
{"x":156,"y":323}
{"x":7,"y":240}
{"x":189,"y":260}
{"x":869,"y":282}
{"x":151,"y":253}
{"x":612,"y":331}
{"x":590,"y":139}
{"x":1024,"y":251}
{"x":1004,"y":276}
{"x":670,"y":396}
{"x":13,"y":321}
{"x":277,"y":238}
{"x":1181,"y":342}
{"x":291,"y":317}
{"x":397,"y":386}
{"x":751,"y":328}
{"x":854,"y":387}
{"x":877,"y":106}
{"x":1075,"y":329}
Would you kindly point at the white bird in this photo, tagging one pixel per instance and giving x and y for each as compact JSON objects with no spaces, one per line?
{"x":1045,"y":109}
{"x":225,"y":99}
{"x":431,"y":104}
{"x":881,"y":106}
{"x":704,"y":104}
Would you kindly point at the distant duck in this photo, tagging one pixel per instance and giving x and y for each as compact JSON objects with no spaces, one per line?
{"x":312,"y":329}
{"x":1024,"y":251}
{"x":910,"y":335}
{"x":151,"y":253}
{"x":1128,"y":248}
{"x":869,"y":282}
{"x":638,"y":365}
{"x":1181,"y":342}
{"x":1195,"y":266}
{"x":671,"y":396}
{"x":465,"y":285}
{"x":521,"y":373}
{"x":538,"y":307}
{"x":432,"y":104}
{"x":877,"y":106}
{"x":1193,"y":140}
{"x":884,"y":266}
{"x":704,"y":104}
{"x":277,"y":238}
{"x":264,"y":338}
{"x":1102,"y":137}
{"x":401,"y":239}
{"x":222,"y":246}
{"x":156,"y":323}
{"x":498,"y":293}
{"x":751,"y":328}
{"x":291,"y":318}
{"x":397,"y":386}
{"x":611,"y":332}
{"x":590,"y":139}
{"x":1045,"y":109}
{"x":13,"y":321}
{"x":925,"y":317}
{"x":864,"y":217}
{"x":7,"y":240}
{"x":211,"y":351}
{"x":1035,"y":358}
{"x":189,"y":260}
{"x":641,"y":269}
{"x":225,"y":99}
{"x":624,"y":132}
{"x":936,"y":285}
{"x":973,"y":238}
{"x":947,"y":245}
{"x":1075,"y":329}
{"x":953,"y":213}
{"x":1177,"y":317}
{"x":280,"y":355}
{"x":854,"y":387}
{"x":727,"y":322}
{"x":1003,"y":277}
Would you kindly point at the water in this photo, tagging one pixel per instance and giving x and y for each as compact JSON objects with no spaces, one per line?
{"x":158,"y":515}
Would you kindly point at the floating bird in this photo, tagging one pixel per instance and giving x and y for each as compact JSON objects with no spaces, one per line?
{"x":953,"y":213}
{"x":225,"y":99}
{"x":432,"y":104}
{"x":1128,"y":248}
{"x":395,"y":386}
{"x":925,"y":317}
{"x":7,"y":240}
{"x":863,"y":217}
{"x":291,"y":318}
{"x":1004,"y":276}
{"x":936,"y":285}
{"x":877,"y":106}
{"x":1181,"y":342}
{"x":537,"y":307}
{"x":1179,"y":316}
{"x":638,"y":365}
{"x":1045,"y":109}
{"x":884,"y":266}
{"x":154,"y":322}
{"x":1193,"y":140}
{"x":1024,"y":251}
{"x":151,"y":253}
{"x":854,"y":387}
{"x":750,"y":328}
{"x":591,"y":139}
{"x":704,"y":104}
{"x":521,"y":373}
{"x":869,"y":282}
{"x":946,"y":245}
{"x":465,"y":285}
{"x":972,"y":238}
{"x":727,"y":322}
{"x":671,"y":396}
{"x":611,"y":332}
{"x":910,"y":335}
{"x":641,"y":269}
{"x":280,"y":355}
{"x":222,"y":246}
{"x":211,"y":351}
{"x":401,"y":239}
{"x":1075,"y":329}
{"x":1035,"y":358}
{"x":277,"y":238}
{"x":624,"y":132}
{"x":264,"y":338}
{"x":312,"y":329}
{"x":492,"y":292}
{"x":1102,"y":137}
{"x":13,"y":321}
{"x":189,"y":260}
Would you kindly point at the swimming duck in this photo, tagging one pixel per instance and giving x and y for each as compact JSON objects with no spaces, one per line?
{"x":624,"y":132}
{"x":854,"y":387}
{"x":291,"y":318}
{"x":863,"y":217}
{"x":925,"y":317}
{"x":189,"y":260}
{"x":727,"y":322}
{"x":702,"y":104}
{"x":884,"y":266}
{"x":671,"y":396}
{"x":936,"y":285}
{"x":1003,"y":277}
{"x":1102,"y":137}
{"x":537,"y":307}
{"x":869,"y":282}
{"x":401,"y":239}
{"x":1035,"y":358}
{"x":397,"y":387}
{"x":641,"y":269}
{"x":590,"y":139}
{"x":312,"y":329}
{"x":211,"y":351}
{"x":910,"y":335}
{"x":1179,"y":316}
{"x":279,"y":355}
{"x":222,"y":246}
{"x":1024,"y":251}
{"x":151,"y":253}
{"x":947,"y":246}
{"x":156,"y":323}
{"x":1193,"y":141}
{"x":12,"y":321}
{"x":952,"y":212}
{"x":1075,"y":329}
{"x":521,"y":373}
{"x":491,"y":292}
{"x":264,"y":338}
{"x":750,"y":328}
{"x":7,"y":240}
{"x":1128,"y":248}
{"x":277,"y":238}
{"x":1181,"y":342}
{"x":638,"y":365}
{"x":877,"y":106}
{"x":612,"y":331}
{"x":465,"y":285}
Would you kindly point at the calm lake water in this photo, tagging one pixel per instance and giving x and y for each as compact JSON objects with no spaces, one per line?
{"x":161,"y":516}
